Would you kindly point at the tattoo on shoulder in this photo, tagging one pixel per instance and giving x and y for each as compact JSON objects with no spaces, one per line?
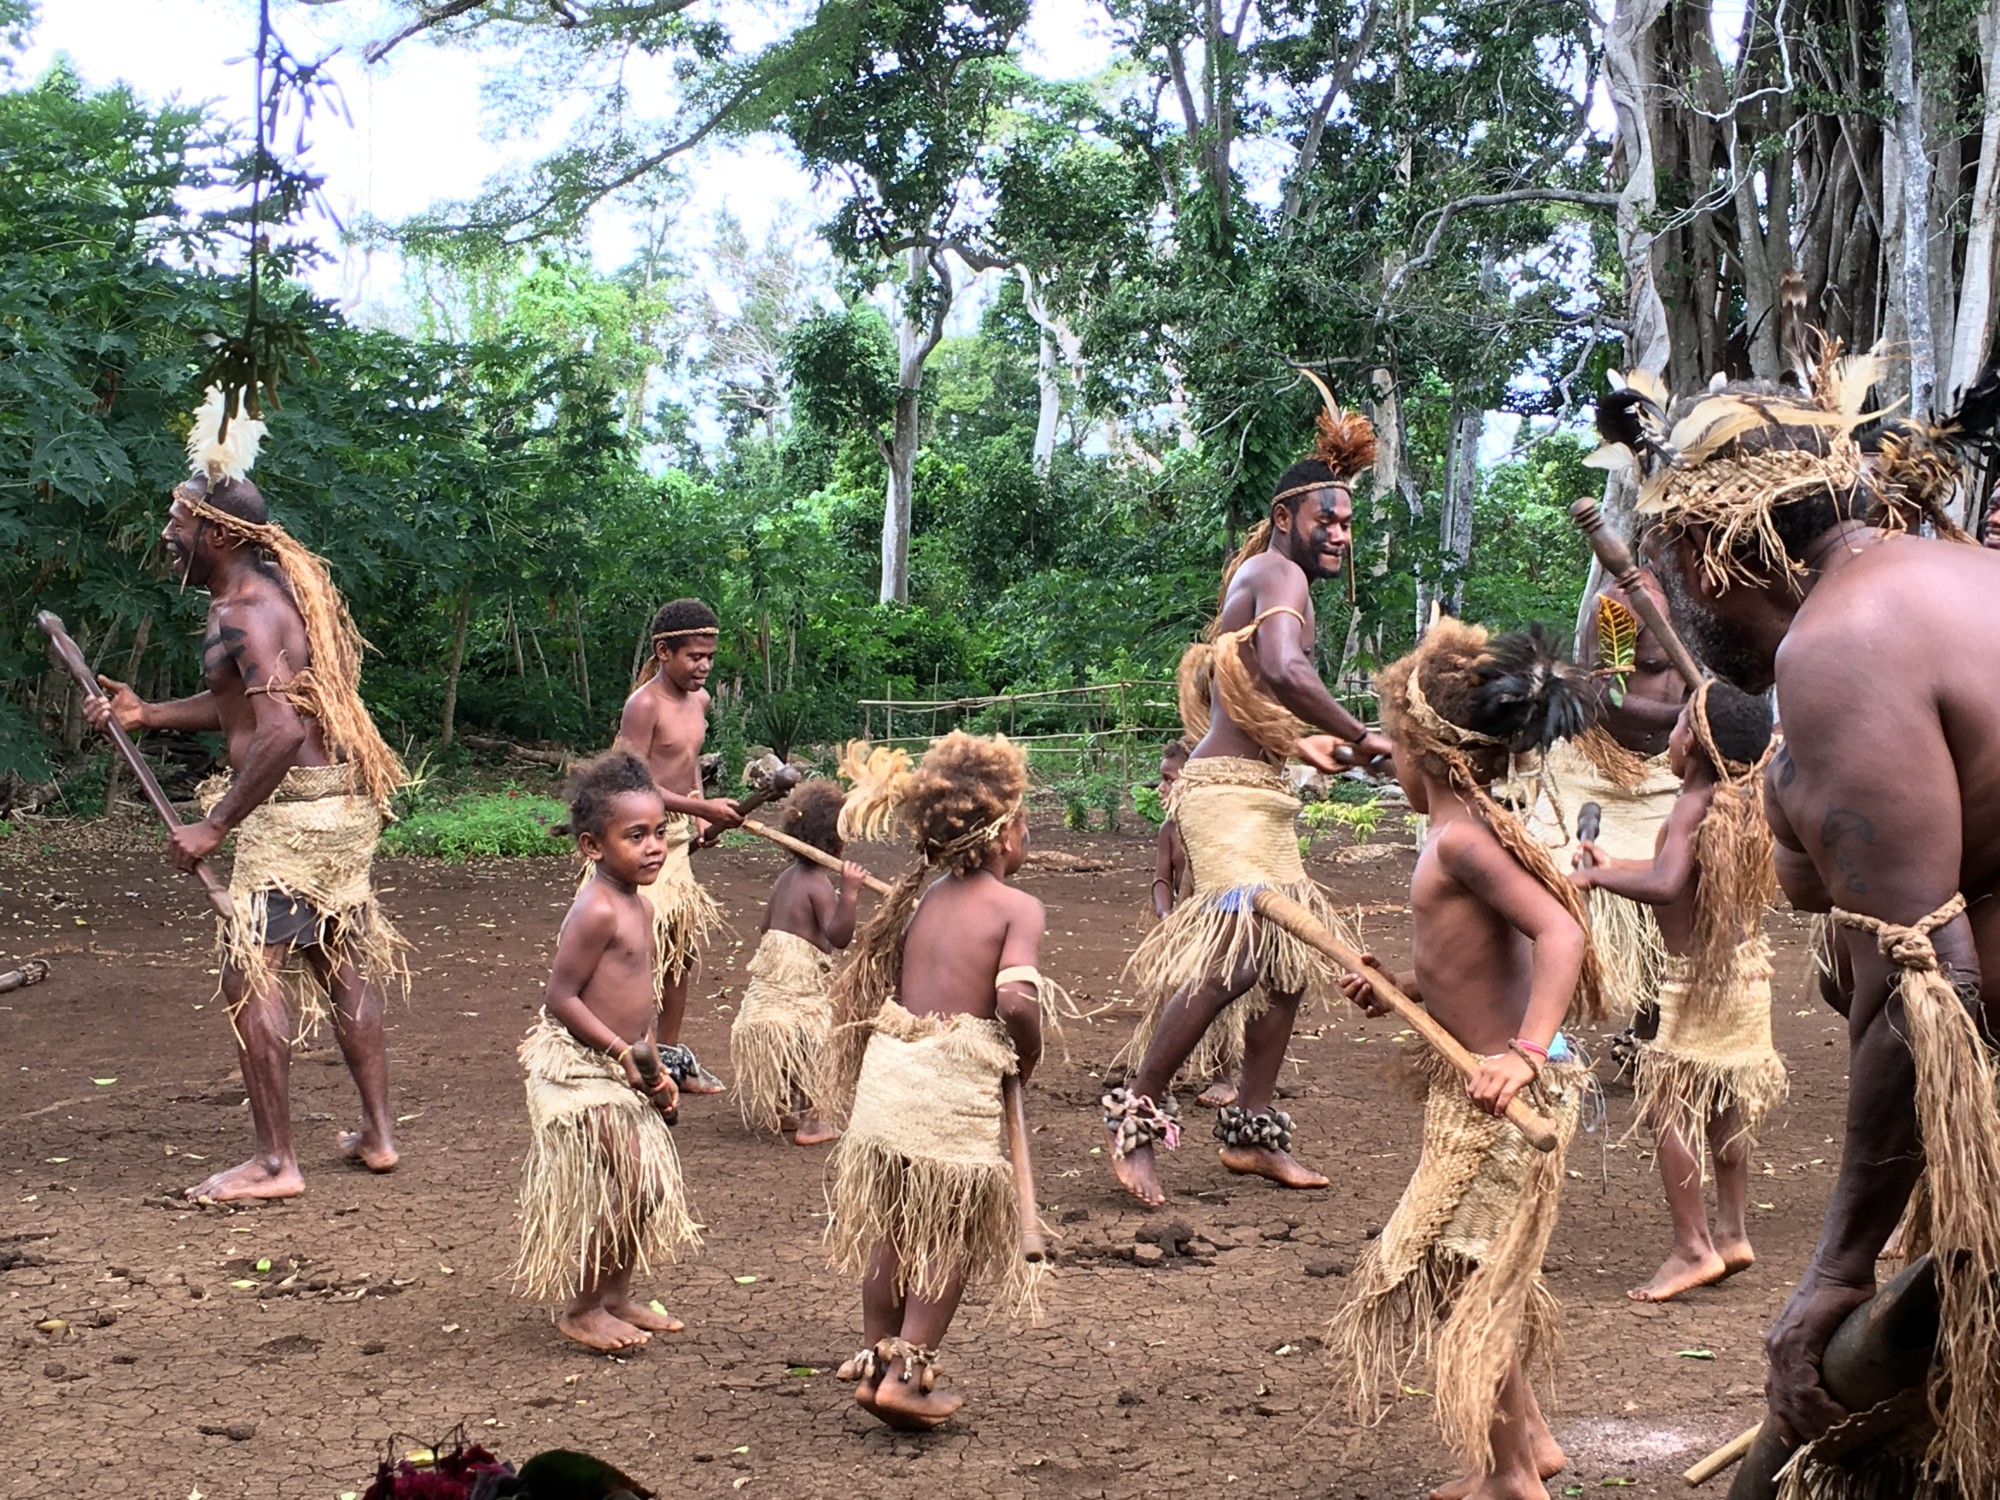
{"x":1845,"y":834}
{"x":228,"y":644}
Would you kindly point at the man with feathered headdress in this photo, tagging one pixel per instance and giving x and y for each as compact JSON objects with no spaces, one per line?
{"x":1783,"y":531}
{"x":308,"y":785}
{"x":1252,"y":698}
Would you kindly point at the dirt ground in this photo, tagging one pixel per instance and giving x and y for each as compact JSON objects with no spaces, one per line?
{"x":161,"y":1350}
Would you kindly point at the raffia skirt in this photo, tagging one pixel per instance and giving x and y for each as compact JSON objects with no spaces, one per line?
{"x":312,"y":841}
{"x":1714,"y":1050}
{"x":922,"y":1166}
{"x":1626,"y":933}
{"x":601,"y":1188}
{"x":1239,"y":825}
{"x":778,"y":1038}
{"x":1455,"y":1278}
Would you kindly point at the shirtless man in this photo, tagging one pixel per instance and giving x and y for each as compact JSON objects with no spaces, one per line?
{"x":1236,"y":818}
{"x":1885,"y":801}
{"x":255,"y":642}
{"x":664,"y":723}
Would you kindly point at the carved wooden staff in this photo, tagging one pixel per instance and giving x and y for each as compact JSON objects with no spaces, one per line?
{"x":1308,"y":929}
{"x":1617,"y":560}
{"x":1589,"y":823}
{"x":1012,"y":1111}
{"x":66,"y":656}
{"x":781,"y":783}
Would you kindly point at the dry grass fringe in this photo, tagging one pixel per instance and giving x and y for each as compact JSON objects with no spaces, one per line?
{"x":779,"y":1036}
{"x":1622,"y":767}
{"x":1626,"y":935}
{"x":601,"y":1187}
{"x":1958,"y":1115}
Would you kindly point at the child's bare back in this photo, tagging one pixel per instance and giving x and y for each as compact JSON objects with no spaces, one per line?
{"x":966,"y":930}
{"x":804,"y":903}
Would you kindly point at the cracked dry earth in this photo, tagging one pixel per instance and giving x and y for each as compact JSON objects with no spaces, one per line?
{"x":161,"y":1350}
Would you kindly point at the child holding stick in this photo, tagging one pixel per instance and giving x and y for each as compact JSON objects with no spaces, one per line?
{"x":941,"y":1002}
{"x":1711,"y":1074}
{"x":1502,"y":957}
{"x":663,"y":723}
{"x":777,"y":1042}
{"x":601,"y":1192}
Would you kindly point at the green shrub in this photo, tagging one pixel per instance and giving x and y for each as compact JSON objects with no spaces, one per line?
{"x":491,"y":825}
{"x":1358,"y":818}
{"x":1152,"y":806}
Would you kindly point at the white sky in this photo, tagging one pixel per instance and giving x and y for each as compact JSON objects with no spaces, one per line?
{"x":417,"y":137}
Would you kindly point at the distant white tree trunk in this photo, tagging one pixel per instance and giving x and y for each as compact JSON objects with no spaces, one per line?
{"x":926,"y":299}
{"x":1628,"y":77}
{"x":1973,"y":335}
{"x":1055,"y":348}
{"x":1461,"y":489}
{"x":1908,"y":146}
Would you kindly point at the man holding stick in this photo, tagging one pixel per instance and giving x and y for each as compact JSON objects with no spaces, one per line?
{"x":1252,"y":697}
{"x":308,"y":784}
{"x":1784,"y":554}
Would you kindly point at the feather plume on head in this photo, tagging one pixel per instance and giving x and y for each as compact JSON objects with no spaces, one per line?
{"x":218,"y":451}
{"x":1342,"y":440}
{"x":879,"y":777}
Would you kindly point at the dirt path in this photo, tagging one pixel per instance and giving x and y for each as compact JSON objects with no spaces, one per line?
{"x":386,"y":1308}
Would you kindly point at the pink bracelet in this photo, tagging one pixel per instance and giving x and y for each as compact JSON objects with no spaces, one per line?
{"x":1525,"y":1045}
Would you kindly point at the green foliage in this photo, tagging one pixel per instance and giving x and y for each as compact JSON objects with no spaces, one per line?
{"x":1150,"y":804}
{"x":488,"y":825}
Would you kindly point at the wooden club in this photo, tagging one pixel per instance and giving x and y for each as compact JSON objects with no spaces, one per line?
{"x":1617,"y":560}
{"x":70,"y":659}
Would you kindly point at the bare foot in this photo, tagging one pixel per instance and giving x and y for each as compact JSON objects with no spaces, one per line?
{"x":1278,"y":1166}
{"x":1136,"y":1172}
{"x":864,"y":1395}
{"x":904,"y":1405}
{"x":1217,"y":1095}
{"x":1550,"y":1461}
{"x":376,"y":1156}
{"x":594,"y":1328}
{"x":255,"y":1178}
{"x":641,"y":1316}
{"x":1679,"y":1273}
{"x":701,"y":1081}
{"x":787,"y":1121}
{"x":1736,"y":1255}
{"x":1509,"y":1484}
{"x":813,"y":1131}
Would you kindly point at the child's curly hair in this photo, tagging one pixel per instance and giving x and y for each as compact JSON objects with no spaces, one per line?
{"x":812,"y":814}
{"x":1506,"y":695}
{"x":593,"y":786}
{"x":957,"y":801}
{"x":1460,"y":707}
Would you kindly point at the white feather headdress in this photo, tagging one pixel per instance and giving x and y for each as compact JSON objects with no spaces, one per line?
{"x":219,"y":454}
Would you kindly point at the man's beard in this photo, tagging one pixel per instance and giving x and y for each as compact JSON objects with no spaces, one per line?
{"x":1717,"y":644}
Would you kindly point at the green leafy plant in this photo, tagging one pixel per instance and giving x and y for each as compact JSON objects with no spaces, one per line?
{"x":486,"y":825}
{"x":1358,"y":818}
{"x":1151,"y":805}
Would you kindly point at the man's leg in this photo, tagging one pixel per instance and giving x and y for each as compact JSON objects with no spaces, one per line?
{"x":1184,"y":1019}
{"x":357,"y":1026}
{"x":1264,"y":1044}
{"x":1693,"y":1261}
{"x":264,"y":1052}
{"x":881,"y":1313}
{"x":1548,"y":1456}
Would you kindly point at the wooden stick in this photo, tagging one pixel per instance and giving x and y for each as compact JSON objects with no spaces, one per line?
{"x":1729,"y":1453}
{"x":780,"y":785}
{"x":1033,"y":1250}
{"x":806,"y":851}
{"x":1014,"y":1114}
{"x":1308,"y":929}
{"x":1617,"y":559}
{"x":66,"y":655}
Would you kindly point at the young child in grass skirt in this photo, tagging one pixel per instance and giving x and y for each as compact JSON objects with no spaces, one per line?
{"x":778,"y":1040}
{"x":1503,"y":958}
{"x":941,"y":1001}
{"x":601,"y":1192}
{"x":1711,"y":1074}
